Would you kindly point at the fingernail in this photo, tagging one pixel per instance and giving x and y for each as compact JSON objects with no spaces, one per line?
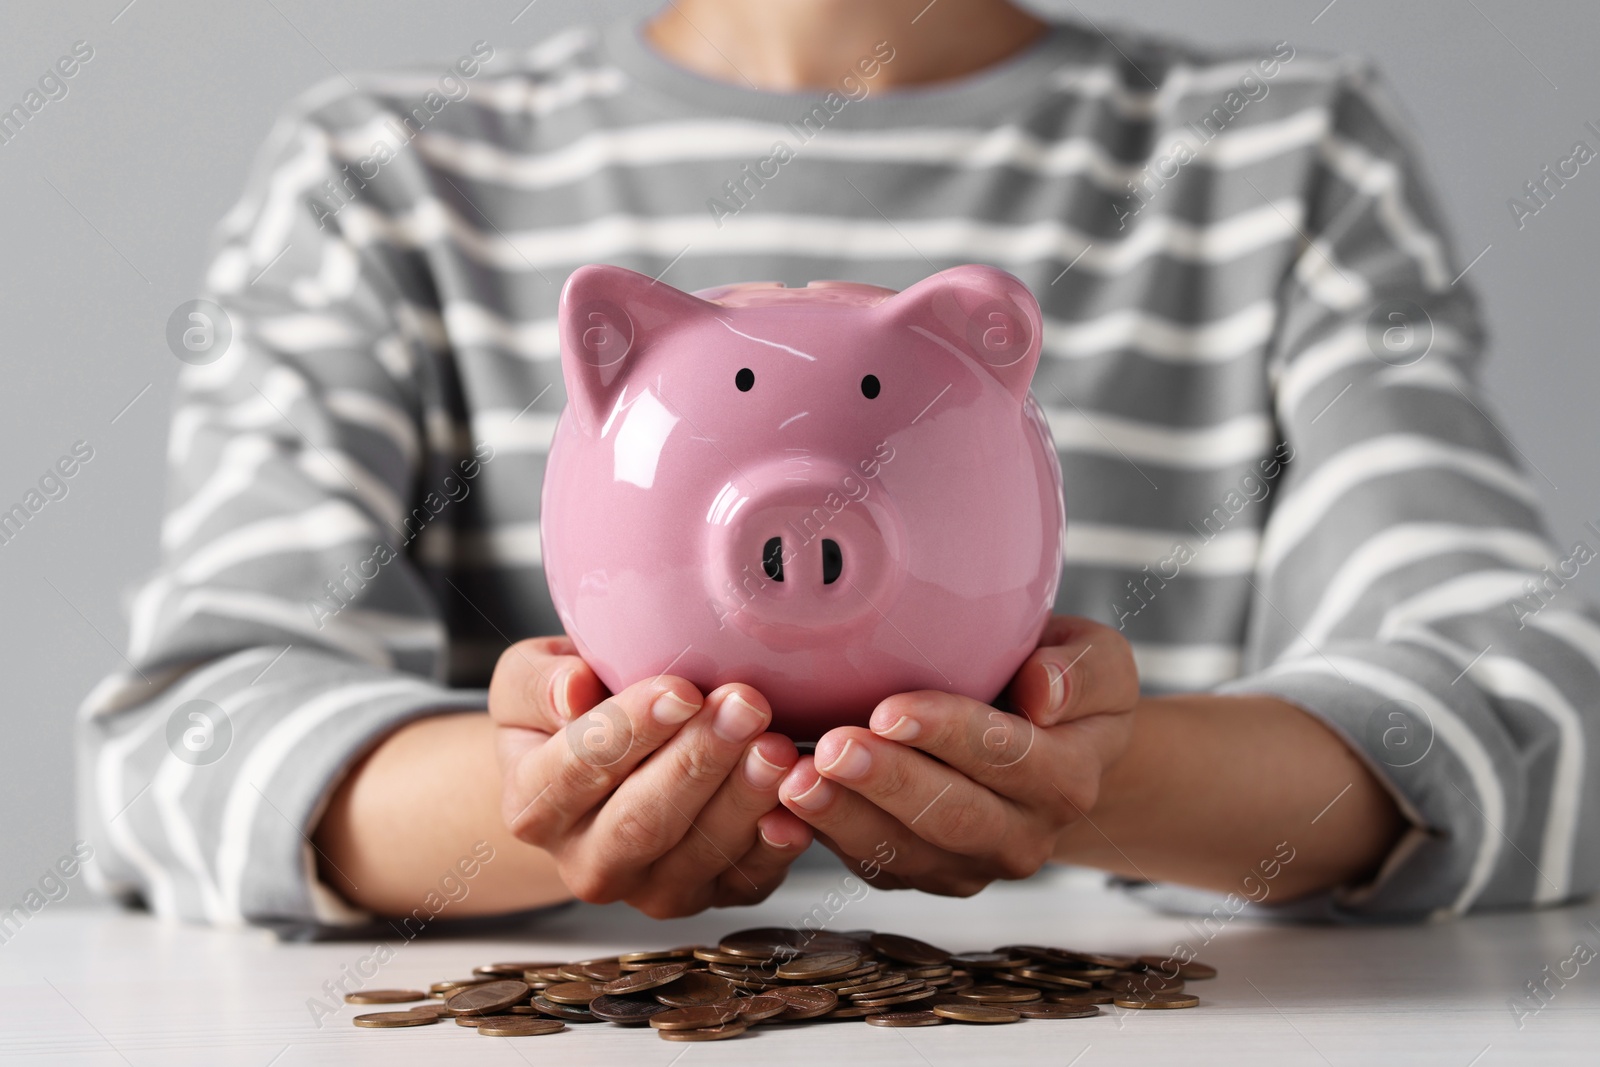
{"x":559,"y":700}
{"x":853,"y":761}
{"x":762,"y":830}
{"x":902,"y":729}
{"x":737,"y":719}
{"x":761,"y":772}
{"x":819,"y":796}
{"x":670,"y":709}
{"x":1058,"y":686}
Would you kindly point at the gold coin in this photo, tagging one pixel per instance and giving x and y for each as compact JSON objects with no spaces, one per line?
{"x":1158,"y":1000}
{"x":385,"y":1019}
{"x":574,"y":992}
{"x":705,"y":1033}
{"x":976,"y":1013}
{"x":384,"y":996}
{"x":696,"y":1018}
{"x":905,"y":1018}
{"x":1057,"y":1011}
{"x":523,"y":1027}
{"x":819,"y":965}
{"x":487,"y":998}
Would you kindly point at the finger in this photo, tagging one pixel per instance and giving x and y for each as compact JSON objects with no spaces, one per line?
{"x":725,"y":828}
{"x":542,"y":683}
{"x":586,"y":760}
{"x":938,"y":803}
{"x":1080,"y":668}
{"x":780,"y":838}
{"x":868,"y":838}
{"x":654,"y":807}
{"x":1009,"y":754}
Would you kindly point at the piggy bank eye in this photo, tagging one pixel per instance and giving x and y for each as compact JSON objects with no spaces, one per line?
{"x":745,"y":379}
{"x":869,"y":386}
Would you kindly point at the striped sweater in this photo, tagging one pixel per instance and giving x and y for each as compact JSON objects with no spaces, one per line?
{"x":1259,"y":366}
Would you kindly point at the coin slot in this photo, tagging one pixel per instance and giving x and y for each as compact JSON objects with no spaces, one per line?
{"x":832,"y":561}
{"x":772,"y":558}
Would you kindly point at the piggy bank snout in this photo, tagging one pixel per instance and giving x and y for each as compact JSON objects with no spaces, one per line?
{"x":808,"y":552}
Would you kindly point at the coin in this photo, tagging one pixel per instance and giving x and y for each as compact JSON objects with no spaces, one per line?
{"x":849,"y":1011}
{"x":1081,"y":998}
{"x":764,"y":942}
{"x":574,"y":992}
{"x":625,"y":1011}
{"x":384,"y":996}
{"x":757,"y":1009}
{"x":1157,"y":1000}
{"x":660,"y":955}
{"x":819,"y":965}
{"x":805,"y":1002}
{"x":905,"y":1018}
{"x":592,"y":971}
{"x":487,"y":1020}
{"x":976,"y":1013}
{"x":569,"y":1012}
{"x":894,"y":996}
{"x":1147,"y":982}
{"x":510,"y":970}
{"x":1057,"y":1011}
{"x":909,"y":950}
{"x":705,"y":1033}
{"x":695,"y":1018}
{"x":986,"y":960}
{"x":1193,"y":970}
{"x":694,"y":987}
{"x":1051,"y":978}
{"x":386,"y":1019}
{"x":487,"y":998}
{"x":523,"y":1027}
{"x":638,"y":981}
{"x":1104,"y":959}
{"x":999,"y":994}
{"x":457,"y":983}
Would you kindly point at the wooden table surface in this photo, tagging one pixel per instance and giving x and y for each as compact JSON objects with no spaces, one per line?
{"x":99,"y":986}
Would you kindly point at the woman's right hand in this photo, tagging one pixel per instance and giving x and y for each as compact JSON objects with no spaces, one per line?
{"x":657,"y":795}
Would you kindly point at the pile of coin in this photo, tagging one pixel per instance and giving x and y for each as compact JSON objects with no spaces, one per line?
{"x":776,"y":975}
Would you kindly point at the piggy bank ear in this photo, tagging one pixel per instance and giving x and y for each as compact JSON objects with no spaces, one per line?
{"x":608,"y":317}
{"x":981,"y":311}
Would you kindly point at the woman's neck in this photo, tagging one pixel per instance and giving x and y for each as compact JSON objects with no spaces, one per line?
{"x":794,"y":45}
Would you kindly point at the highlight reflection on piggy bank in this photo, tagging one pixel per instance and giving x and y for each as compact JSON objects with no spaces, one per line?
{"x":833,"y":493}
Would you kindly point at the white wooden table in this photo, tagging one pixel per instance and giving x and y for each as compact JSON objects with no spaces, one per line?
{"x":98,"y":986}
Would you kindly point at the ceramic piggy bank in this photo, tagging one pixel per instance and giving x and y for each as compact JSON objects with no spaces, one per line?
{"x":833,"y":493}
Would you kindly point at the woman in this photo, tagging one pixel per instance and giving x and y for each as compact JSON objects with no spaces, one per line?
{"x":1289,"y":663}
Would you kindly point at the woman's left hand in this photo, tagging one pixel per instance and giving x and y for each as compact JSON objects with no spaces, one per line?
{"x":946,"y":794}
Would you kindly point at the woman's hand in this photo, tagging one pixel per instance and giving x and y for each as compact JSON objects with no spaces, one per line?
{"x":656,"y":796}
{"x":958,"y":793}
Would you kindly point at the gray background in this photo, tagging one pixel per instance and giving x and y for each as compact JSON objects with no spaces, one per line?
{"x":110,"y":195}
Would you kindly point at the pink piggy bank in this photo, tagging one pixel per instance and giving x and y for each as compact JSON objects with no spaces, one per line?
{"x":833,"y":494}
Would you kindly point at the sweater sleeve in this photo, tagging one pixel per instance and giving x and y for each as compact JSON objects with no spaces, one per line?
{"x":1406,"y":593}
{"x":289,"y":626}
